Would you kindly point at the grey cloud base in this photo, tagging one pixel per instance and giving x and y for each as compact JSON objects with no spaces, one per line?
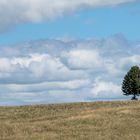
{"x":52,"y":71}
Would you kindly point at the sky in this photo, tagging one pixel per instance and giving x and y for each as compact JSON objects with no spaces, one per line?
{"x":66,"y":51}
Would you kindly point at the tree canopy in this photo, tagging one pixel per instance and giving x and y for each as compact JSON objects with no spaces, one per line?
{"x":131,"y":82}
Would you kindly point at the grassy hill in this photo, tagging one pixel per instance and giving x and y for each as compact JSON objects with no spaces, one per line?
{"x":78,"y":121}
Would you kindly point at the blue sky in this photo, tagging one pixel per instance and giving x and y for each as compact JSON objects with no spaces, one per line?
{"x":90,"y":23}
{"x":55,"y":51}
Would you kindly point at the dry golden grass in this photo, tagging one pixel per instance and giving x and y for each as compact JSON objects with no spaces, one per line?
{"x":78,"y":121}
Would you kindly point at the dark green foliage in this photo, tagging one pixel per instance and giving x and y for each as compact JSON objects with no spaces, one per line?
{"x":131,"y":82}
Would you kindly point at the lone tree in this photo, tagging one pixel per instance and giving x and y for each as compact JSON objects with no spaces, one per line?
{"x":131,"y":83}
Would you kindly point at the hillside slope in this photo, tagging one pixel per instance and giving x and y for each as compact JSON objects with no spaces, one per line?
{"x":78,"y":121}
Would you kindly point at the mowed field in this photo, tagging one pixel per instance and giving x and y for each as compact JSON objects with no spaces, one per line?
{"x":77,"y":121}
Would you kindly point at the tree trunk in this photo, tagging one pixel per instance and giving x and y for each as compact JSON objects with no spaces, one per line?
{"x":134,"y":97}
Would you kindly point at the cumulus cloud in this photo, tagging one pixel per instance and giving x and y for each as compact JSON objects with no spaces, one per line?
{"x":83,"y":59}
{"x":51,"y":71}
{"x":21,"y":11}
{"x":37,"y":67}
{"x":102,"y":89}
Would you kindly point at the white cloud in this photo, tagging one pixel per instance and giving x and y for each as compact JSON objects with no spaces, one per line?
{"x":54,"y":71}
{"x":102,"y":89}
{"x":37,"y":67}
{"x":45,"y":86}
{"x":14,"y":12}
{"x":83,"y":59}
